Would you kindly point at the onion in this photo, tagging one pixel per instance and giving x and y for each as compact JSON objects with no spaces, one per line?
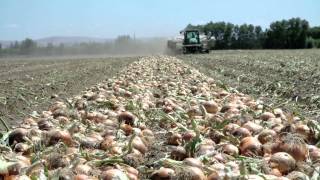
{"x":138,"y":144}
{"x":23,"y":148}
{"x":204,"y":149}
{"x":127,"y":117}
{"x":229,"y":128}
{"x":276,"y":172}
{"x":250,"y":146}
{"x":81,"y":177}
{"x":162,"y":174}
{"x":194,"y":111}
{"x":44,"y":124}
{"x":304,"y":131}
{"x":253,"y":127}
{"x":187,"y":136}
{"x":267,"y":135}
{"x":193,"y":162}
{"x":83,"y":169}
{"x":314,"y":153}
{"x":179,"y":153}
{"x":284,"y":162}
{"x":214,"y":176}
{"x":211,"y":107}
{"x":293,"y":145}
{"x":215,"y":136}
{"x":230,"y":149}
{"x":107,"y":143}
{"x":17,"y":135}
{"x":192,"y":173}
{"x":175,"y":139}
{"x":127,"y":129}
{"x":57,"y":135}
{"x":266,"y":116}
{"x":112,"y":174}
{"x":56,"y":160}
{"x":241,"y":132}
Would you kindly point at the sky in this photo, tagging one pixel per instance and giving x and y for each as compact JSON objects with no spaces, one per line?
{"x":36,"y":19}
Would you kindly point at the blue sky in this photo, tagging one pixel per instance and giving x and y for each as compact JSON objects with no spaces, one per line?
{"x":108,"y":18}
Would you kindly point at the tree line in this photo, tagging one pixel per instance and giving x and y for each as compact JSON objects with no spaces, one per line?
{"x":294,"y":33}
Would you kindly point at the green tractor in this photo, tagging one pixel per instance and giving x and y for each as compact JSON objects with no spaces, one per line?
{"x":193,"y":43}
{"x":190,"y":42}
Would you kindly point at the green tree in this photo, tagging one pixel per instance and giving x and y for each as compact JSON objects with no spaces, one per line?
{"x":28,"y":46}
{"x":290,"y":34}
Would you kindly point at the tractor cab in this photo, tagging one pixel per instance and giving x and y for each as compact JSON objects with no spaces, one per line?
{"x":191,"y":37}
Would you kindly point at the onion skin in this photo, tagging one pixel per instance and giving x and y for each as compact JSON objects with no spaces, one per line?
{"x":193,"y":162}
{"x":56,"y":135}
{"x":297,"y":149}
{"x":112,"y":174}
{"x":188,"y":136}
{"x":139,"y":145}
{"x":214,"y":176}
{"x":162,"y":174}
{"x":241,"y":132}
{"x":17,"y":136}
{"x":253,"y":127}
{"x":211,"y":107}
{"x":284,"y":162}
{"x":127,"y":117}
{"x":230,"y":149}
{"x":127,"y":129}
{"x":266,"y":116}
{"x":175,"y":139}
{"x":179,"y":153}
{"x":267,"y":135}
{"x":193,"y":173}
{"x":250,"y":146}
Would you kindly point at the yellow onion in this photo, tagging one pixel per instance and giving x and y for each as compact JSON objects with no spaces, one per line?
{"x":193,"y":162}
{"x":230,"y":149}
{"x":127,"y":117}
{"x":266,"y":116}
{"x":253,"y":127}
{"x":267,"y":135}
{"x":211,"y":107}
{"x":57,"y":135}
{"x":283,"y":161}
{"x":192,"y":173}
{"x":162,"y":174}
{"x":179,"y":153}
{"x":113,"y":174}
{"x":250,"y":146}
{"x":17,"y":135}
{"x":138,"y":144}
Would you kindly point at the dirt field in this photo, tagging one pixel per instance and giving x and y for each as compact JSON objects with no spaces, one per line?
{"x":30,"y":84}
{"x":284,"y":78}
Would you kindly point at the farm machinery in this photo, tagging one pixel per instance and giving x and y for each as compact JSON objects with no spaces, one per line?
{"x":190,"y":42}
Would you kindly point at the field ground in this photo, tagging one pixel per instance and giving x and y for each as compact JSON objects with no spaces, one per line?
{"x":30,"y":84}
{"x":284,"y":78}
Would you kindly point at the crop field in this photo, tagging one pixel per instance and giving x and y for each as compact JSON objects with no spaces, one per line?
{"x":223,"y":115}
{"x":29,"y":85}
{"x":288,"y":79}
